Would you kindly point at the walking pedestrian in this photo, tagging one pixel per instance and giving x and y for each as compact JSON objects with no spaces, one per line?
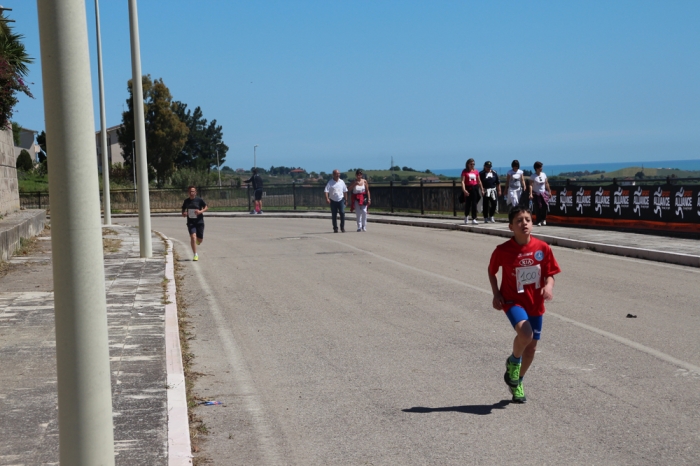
{"x":193,"y":208}
{"x":515,"y":185}
{"x":472,"y":189}
{"x":257,"y":191}
{"x":337,"y":196}
{"x":527,"y":281}
{"x":492,"y":191}
{"x":539,"y":194}
{"x":360,"y":200}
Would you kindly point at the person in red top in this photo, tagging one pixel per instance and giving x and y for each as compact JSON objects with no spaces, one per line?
{"x":527,"y":281}
{"x":472,"y":189}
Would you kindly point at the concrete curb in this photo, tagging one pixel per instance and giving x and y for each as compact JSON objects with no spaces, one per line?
{"x":179,"y":447}
{"x":23,"y":224}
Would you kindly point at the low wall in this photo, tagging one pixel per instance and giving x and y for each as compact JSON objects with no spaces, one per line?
{"x":24,"y":224}
{"x":9,"y":188}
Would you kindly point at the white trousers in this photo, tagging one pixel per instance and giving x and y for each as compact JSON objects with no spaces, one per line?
{"x":361,"y":212}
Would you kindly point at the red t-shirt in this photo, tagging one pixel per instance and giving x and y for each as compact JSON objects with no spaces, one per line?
{"x":524,"y":271}
{"x":471,"y":178}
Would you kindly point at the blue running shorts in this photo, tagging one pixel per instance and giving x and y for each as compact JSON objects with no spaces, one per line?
{"x":517,"y":314}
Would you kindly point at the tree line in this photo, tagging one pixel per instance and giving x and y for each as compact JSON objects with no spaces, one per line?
{"x":176,"y":137}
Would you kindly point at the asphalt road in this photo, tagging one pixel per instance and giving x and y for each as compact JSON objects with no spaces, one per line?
{"x":382,"y":348}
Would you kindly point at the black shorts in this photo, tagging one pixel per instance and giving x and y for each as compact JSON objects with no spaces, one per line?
{"x":258,"y":194}
{"x":197,"y":228}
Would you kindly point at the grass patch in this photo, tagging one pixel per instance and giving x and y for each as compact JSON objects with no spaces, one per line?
{"x":26,"y":246}
{"x":111,"y":245}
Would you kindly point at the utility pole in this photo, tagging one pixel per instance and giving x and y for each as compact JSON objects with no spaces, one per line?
{"x":255,"y":156}
{"x":140,"y":132}
{"x":103,"y":125}
{"x":85,"y":423}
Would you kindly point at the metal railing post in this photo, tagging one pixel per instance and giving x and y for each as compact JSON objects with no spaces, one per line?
{"x":294,"y":195}
{"x":454,"y":200}
{"x":391,"y":191}
{"x":85,"y":424}
{"x":422,"y":210}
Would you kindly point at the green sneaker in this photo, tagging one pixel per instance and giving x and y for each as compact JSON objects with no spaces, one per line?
{"x":512,"y":375}
{"x":196,"y":258}
{"x":518,"y":393}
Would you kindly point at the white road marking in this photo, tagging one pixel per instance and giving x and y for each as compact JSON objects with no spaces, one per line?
{"x":242,"y":380}
{"x":612,"y":336}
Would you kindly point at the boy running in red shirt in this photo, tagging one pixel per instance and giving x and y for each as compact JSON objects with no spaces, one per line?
{"x":527,"y":281}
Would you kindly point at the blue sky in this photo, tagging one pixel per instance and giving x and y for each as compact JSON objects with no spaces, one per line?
{"x":326,"y":84}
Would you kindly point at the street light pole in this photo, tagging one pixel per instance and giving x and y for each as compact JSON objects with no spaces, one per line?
{"x":255,"y":157}
{"x":140,"y":132}
{"x":218,"y":165}
{"x":103,"y":126}
{"x":85,"y":424}
{"x":133,"y":160}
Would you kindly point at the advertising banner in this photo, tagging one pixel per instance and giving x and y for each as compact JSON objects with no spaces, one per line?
{"x":668,"y":203}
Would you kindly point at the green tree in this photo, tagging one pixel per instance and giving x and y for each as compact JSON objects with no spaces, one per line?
{"x":165,"y":133}
{"x":24,"y":161}
{"x":203,"y":140}
{"x":16,"y":131}
{"x":13,"y":69}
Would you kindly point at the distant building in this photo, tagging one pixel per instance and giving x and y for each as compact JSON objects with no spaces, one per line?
{"x":27,"y":141}
{"x":430,"y":179}
{"x":297,"y":170}
{"x":114,"y":150}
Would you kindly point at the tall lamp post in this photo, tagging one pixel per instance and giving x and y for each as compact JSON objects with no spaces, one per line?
{"x":85,"y":421}
{"x":218,"y":165}
{"x":145,"y":247}
{"x":103,"y":125}
{"x":255,"y":157}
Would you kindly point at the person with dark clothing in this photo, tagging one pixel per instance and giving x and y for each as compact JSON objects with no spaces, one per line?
{"x":492,"y":191}
{"x":257,"y":191}
{"x":193,"y":209}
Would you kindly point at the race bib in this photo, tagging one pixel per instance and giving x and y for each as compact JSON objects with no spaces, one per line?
{"x":527,"y":276}
{"x":191,"y":213}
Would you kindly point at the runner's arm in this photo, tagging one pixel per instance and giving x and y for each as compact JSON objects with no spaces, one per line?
{"x":548,"y":289}
{"x":498,"y":301}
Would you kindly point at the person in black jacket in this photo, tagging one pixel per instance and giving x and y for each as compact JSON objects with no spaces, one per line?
{"x":193,"y":209}
{"x":257,"y":189}
{"x":492,"y":191}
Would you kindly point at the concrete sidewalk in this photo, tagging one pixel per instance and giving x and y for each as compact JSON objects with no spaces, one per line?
{"x":136,"y":315}
{"x":654,"y":247}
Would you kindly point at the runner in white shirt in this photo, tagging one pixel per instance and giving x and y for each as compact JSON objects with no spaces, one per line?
{"x":337,"y":196}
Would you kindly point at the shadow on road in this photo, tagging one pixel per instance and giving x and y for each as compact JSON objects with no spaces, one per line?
{"x":481,"y":410}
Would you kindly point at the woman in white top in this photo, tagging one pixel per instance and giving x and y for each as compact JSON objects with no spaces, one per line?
{"x":515,"y":184}
{"x":539,"y":193}
{"x":360,"y":199}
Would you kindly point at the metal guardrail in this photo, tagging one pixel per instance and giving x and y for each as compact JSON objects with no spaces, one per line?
{"x":395,"y":197}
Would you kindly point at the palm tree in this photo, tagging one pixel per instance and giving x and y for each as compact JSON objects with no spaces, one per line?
{"x":13,"y":68}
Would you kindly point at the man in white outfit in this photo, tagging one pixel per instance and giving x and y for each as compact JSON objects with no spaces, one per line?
{"x":337,"y":196}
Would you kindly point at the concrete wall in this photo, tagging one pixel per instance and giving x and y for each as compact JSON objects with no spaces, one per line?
{"x":9,"y":188}
{"x":25,"y":224}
